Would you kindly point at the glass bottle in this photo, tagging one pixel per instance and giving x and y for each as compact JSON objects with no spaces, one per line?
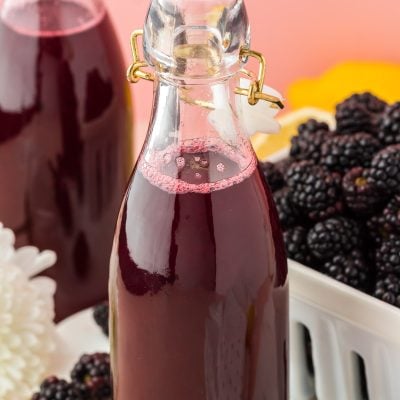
{"x":64,"y":139}
{"x":198,"y":284}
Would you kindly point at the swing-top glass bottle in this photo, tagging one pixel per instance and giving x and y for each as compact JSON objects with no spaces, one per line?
{"x":198,"y":285}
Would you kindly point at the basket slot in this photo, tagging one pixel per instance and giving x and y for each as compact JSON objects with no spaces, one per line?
{"x":370,"y":357}
{"x":308,"y":347}
{"x":381,"y":368}
{"x":360,"y":374}
{"x":302,"y":373}
{"x":326,"y":360}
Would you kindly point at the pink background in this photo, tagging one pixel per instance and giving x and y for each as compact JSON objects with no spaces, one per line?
{"x":299,"y":37}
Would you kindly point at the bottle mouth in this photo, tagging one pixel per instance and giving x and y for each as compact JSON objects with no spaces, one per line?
{"x":51,"y":17}
{"x":196,"y":39}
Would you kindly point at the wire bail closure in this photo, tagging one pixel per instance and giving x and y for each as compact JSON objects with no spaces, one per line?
{"x":135,"y":72}
{"x":254,"y":94}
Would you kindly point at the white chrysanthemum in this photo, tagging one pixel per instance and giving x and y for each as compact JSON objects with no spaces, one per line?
{"x":27,"y":331}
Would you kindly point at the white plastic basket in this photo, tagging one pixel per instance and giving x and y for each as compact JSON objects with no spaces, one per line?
{"x":345,"y":326}
{"x":355,"y":339}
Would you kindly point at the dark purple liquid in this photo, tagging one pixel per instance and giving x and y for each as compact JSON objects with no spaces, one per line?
{"x":64,"y":143}
{"x":199,"y":289}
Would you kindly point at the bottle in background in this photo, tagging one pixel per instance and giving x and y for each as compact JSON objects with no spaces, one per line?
{"x":65,"y":138}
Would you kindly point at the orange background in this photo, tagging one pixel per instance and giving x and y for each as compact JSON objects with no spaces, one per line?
{"x":299,"y":37}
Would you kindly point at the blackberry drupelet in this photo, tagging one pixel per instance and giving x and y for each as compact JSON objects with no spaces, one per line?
{"x":296,"y":245}
{"x":385,"y":170}
{"x":387,"y":256}
{"x":94,"y":372}
{"x":288,"y":214}
{"x":57,"y":389}
{"x":361,"y":196}
{"x":389,"y":132}
{"x":388,"y":290}
{"x":391,"y":215}
{"x":333,"y":236}
{"x":272,"y":175}
{"x":341,"y":153}
{"x":307,"y":144}
{"x":100,"y":315}
{"x":350,"y":269}
{"x":359,"y":113}
{"x":314,"y":190}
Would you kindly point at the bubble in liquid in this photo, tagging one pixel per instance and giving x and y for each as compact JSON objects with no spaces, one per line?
{"x":167,"y":158}
{"x":180,"y":162}
{"x":197,"y":175}
{"x":204,"y":163}
{"x":220,"y":167}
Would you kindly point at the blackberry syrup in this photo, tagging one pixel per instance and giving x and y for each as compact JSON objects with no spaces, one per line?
{"x":199,"y":280}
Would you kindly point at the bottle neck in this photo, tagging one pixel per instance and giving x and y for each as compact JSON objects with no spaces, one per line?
{"x":199,"y":110}
{"x":195,"y":142}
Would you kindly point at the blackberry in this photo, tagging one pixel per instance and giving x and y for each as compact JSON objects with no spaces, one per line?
{"x":391,"y":215}
{"x":390,"y":126}
{"x":307,"y":144}
{"x":333,"y":236}
{"x":387,"y":256}
{"x":296,"y":245}
{"x":100,"y":315}
{"x":288,"y":214}
{"x":93,"y":371}
{"x":350,"y":269}
{"x":342,"y":153}
{"x":57,"y":389}
{"x":385,"y":170}
{"x":359,"y":113}
{"x":388,"y":290}
{"x":314,"y":190}
{"x":361,"y":196}
{"x":272,"y":175}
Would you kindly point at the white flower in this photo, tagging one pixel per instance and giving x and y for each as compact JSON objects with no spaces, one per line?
{"x":27,"y":331}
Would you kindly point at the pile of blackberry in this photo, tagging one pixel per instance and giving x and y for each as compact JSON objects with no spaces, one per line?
{"x":90,"y":380}
{"x":338,"y":196}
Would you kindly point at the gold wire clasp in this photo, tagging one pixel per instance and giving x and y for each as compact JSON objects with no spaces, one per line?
{"x":135,"y":72}
{"x":254,"y":93}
